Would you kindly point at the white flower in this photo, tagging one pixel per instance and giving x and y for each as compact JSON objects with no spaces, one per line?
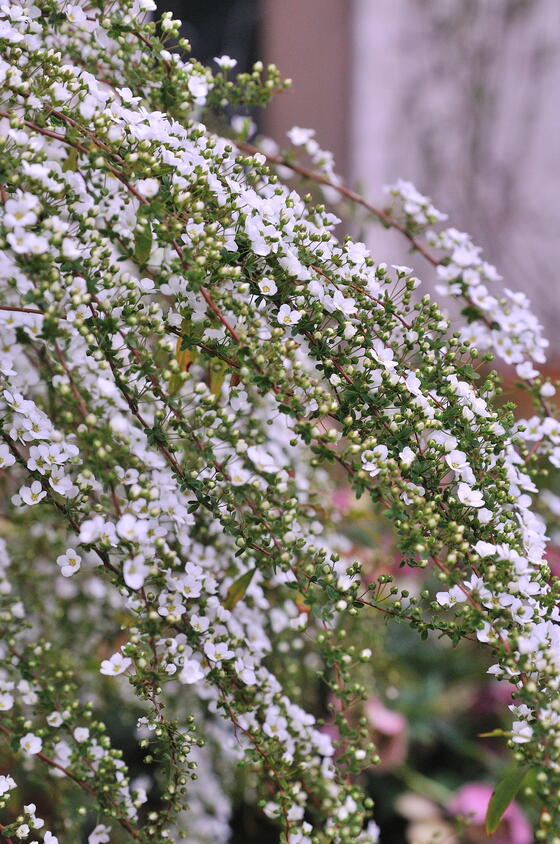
{"x":526,"y":370}
{"x":189,"y":586}
{"x":383,"y":354}
{"x":31,"y":744}
{"x":23,"y":241}
{"x":50,"y":838}
{"x":521,"y":732}
{"x":6,"y":457}
{"x":262,"y":460}
{"x":275,"y":726}
{"x":199,"y":623}
{"x":77,"y":16}
{"x":19,"y":212}
{"x":407,"y":456}
{"x":339,"y":302}
{"x":170,"y":604}
{"x":6,"y":701}
{"x":69,"y":562}
{"x":115,"y":665}
{"x":469,"y":496}
{"x":54,"y":719}
{"x":349,"y":330}
{"x":374,"y":459}
{"x":287,"y":316}
{"x":456,"y":460}
{"x":131,"y":528}
{"x":357,"y":252}
{"x":370,"y":835}
{"x":147,"y":187}
{"x":62,"y":483}
{"x":7,"y":783}
{"x":70,"y":248}
{"x":225,"y":62}
{"x":547,"y":390}
{"x":81,"y":734}
{"x":198,"y":86}
{"x":217,"y":652}
{"x":267,"y":287}
{"x":100,"y":834}
{"x":299,"y":136}
{"x":456,"y":595}
{"x":97,"y":528}
{"x":33,"y":494}
{"x":191,"y":672}
{"x":135,"y":572}
{"x":239,"y":476}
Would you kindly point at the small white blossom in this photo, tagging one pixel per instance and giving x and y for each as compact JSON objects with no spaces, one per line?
{"x":547,"y":389}
{"x":115,"y":665}
{"x":521,"y":732}
{"x":100,"y":835}
{"x":69,"y":562}
{"x":456,"y":460}
{"x":217,"y":652}
{"x":191,"y":672}
{"x":31,"y":744}
{"x":299,"y":136}
{"x":469,"y":496}
{"x":239,"y":476}
{"x":32,"y":494}
{"x":147,"y":187}
{"x":81,"y":734}
{"x":267,"y":287}
{"x":6,"y":701}
{"x":225,"y":62}
{"x":7,"y":783}
{"x":287,"y":316}
{"x":135,"y":572}
{"x":407,"y":456}
{"x":6,"y":457}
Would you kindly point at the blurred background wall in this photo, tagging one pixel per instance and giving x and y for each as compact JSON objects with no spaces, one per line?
{"x":459,"y":97}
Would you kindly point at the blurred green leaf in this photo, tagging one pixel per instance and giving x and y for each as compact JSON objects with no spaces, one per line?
{"x":502,"y":796}
{"x":142,"y":240}
{"x":238,"y":589}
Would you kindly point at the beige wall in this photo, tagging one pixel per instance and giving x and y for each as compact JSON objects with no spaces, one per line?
{"x":309,"y":41}
{"x":462,"y":99}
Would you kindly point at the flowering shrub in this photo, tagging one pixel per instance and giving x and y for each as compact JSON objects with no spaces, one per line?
{"x":191,"y":361}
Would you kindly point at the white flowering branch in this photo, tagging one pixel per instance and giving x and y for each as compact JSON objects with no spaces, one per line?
{"x":186,"y":351}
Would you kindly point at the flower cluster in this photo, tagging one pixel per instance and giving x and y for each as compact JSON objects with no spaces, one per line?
{"x":187,"y":352}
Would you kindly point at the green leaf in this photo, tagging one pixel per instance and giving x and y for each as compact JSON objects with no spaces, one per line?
{"x":238,"y":589}
{"x":142,"y":240}
{"x":494,"y":734}
{"x":191,"y":334}
{"x":218,"y":370}
{"x":471,"y":313}
{"x":502,"y":796}
{"x":71,"y":160}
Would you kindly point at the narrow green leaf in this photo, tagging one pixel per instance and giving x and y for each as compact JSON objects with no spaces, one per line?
{"x":71,"y":160}
{"x":494,"y":734}
{"x":218,"y":370}
{"x":142,"y":240}
{"x":502,"y":796}
{"x":238,"y":589}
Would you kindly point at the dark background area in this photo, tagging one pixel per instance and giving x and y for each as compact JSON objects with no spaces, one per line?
{"x":219,"y":27}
